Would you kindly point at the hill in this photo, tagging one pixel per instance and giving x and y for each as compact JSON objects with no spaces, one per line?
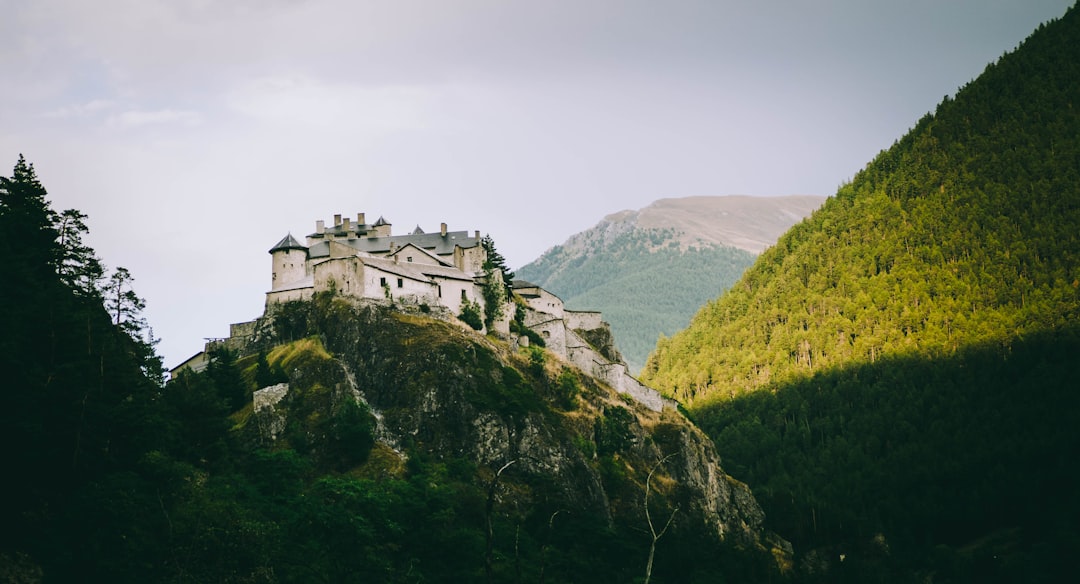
{"x":649,"y":270}
{"x":913,"y":336}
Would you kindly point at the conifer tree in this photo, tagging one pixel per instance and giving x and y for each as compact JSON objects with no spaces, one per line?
{"x":498,"y":281}
{"x":79,"y":268}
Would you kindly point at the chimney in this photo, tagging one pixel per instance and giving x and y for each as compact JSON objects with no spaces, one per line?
{"x":478,"y":235}
{"x":442,"y":229}
{"x":360,"y":219}
{"x":345,"y":225}
{"x":337,"y":219}
{"x":320,"y":227}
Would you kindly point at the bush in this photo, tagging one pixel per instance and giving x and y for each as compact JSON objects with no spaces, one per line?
{"x":470,"y":315}
{"x":350,"y":435}
{"x":567,"y":388}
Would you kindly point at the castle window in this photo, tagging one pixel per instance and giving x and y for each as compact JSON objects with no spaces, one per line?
{"x":382,"y":281}
{"x":400,"y":283}
{"x":409,"y":258}
{"x":463,"y":296}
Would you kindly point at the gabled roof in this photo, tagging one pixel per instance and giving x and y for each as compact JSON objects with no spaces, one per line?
{"x":420,"y":272}
{"x":286,"y":243}
{"x":418,"y":231}
{"x":412,"y":246}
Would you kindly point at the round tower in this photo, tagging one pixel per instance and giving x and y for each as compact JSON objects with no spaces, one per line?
{"x":289,"y":262}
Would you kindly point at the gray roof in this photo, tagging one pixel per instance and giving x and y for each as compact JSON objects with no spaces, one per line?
{"x":421,"y":272}
{"x":435,"y":243}
{"x":519,"y":283}
{"x":286,"y":243}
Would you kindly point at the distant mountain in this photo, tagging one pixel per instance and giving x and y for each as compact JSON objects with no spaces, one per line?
{"x":897,"y":377}
{"x":649,"y":270}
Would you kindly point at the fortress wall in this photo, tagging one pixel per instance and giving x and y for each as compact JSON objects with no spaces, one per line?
{"x":547,"y":303}
{"x":554,"y":335}
{"x":614,"y":374}
{"x":242,"y":329}
{"x":289,"y":295}
{"x":584,"y":319}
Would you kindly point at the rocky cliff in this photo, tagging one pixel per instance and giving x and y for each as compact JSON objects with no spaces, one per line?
{"x":435,"y":389}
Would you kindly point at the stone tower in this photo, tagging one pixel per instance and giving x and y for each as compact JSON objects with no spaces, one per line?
{"x":290,"y":261}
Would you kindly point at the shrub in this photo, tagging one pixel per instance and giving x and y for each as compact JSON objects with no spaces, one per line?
{"x":470,"y":315}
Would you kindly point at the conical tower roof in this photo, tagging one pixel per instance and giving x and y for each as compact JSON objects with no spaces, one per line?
{"x":288,"y":242}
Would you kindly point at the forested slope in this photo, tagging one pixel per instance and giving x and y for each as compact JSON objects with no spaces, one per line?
{"x":965,"y":231}
{"x":896,"y":377}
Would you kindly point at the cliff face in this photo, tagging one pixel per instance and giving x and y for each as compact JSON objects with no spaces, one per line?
{"x":436,"y":389}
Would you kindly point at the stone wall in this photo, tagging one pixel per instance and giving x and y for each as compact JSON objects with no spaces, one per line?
{"x":547,"y":303}
{"x":289,"y":295}
{"x":584,"y":319}
{"x":341,"y":274}
{"x":568,"y":345}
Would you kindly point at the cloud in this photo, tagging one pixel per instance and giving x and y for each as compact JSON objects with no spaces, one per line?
{"x":135,"y":118}
{"x":82,"y":110}
{"x":313,"y":103}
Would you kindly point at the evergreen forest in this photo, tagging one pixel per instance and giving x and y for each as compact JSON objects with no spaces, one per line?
{"x":897,"y":377}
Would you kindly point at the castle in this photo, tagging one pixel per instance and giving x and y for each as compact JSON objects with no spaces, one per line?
{"x":440,"y":270}
{"x":367,"y":261}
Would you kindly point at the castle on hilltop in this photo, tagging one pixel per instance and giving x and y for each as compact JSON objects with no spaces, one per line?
{"x":367,"y":261}
{"x":439,"y":272}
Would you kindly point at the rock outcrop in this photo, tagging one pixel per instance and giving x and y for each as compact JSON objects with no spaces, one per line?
{"x":439,"y":390}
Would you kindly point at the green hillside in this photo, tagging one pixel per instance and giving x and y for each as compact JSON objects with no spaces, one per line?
{"x":897,"y":375}
{"x":644,"y":282}
{"x":965,"y":231}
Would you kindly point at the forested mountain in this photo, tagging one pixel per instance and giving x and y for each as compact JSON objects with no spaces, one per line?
{"x":404,"y":449}
{"x":897,"y":375}
{"x":649,"y":270}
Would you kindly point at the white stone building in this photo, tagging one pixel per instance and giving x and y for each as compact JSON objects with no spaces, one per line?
{"x":368,"y":261}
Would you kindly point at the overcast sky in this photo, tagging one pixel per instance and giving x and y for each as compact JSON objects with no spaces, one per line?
{"x":197,"y":133}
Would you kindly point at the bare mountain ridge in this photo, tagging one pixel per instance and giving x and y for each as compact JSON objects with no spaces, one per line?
{"x":742,"y":221}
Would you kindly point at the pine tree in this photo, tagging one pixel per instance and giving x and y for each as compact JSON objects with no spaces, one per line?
{"x":80,"y":269}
